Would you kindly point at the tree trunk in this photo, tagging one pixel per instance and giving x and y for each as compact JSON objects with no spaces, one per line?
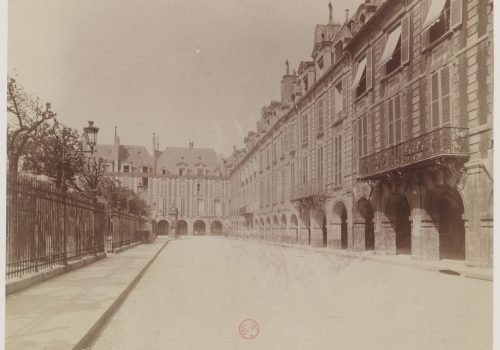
{"x":13,"y":165}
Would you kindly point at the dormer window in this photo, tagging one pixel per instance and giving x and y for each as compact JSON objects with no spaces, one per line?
{"x":200,"y":171}
{"x":126,"y":168}
{"x":164,"y":171}
{"x":182,"y":171}
{"x":306,"y":83}
{"x":145,"y":169}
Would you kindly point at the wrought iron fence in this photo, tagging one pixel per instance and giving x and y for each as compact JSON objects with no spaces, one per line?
{"x":125,"y":228}
{"x":46,"y":227}
{"x":443,"y":142}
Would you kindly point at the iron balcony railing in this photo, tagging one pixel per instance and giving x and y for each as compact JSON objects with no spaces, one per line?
{"x":310,"y":188}
{"x":443,"y":142}
{"x":247,"y":209}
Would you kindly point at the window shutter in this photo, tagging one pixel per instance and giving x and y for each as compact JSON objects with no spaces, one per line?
{"x":382,"y":117}
{"x":435,"y":99}
{"x":405,"y":39}
{"x":445,"y":95}
{"x":456,"y":13}
{"x":360,"y":138}
{"x":397,"y":117}
{"x":369,"y":70}
{"x":390,"y":121}
{"x":344,"y":96}
{"x":423,"y":15}
{"x":340,"y":159}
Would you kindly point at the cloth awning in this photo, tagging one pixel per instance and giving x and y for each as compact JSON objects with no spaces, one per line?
{"x":435,"y":9}
{"x":359,"y":73}
{"x":390,"y":46}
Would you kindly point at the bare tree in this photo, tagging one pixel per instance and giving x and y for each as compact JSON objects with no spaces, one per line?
{"x":26,"y":114}
{"x":55,"y":151}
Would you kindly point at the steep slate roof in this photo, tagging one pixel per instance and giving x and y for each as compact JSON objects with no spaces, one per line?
{"x":105,"y":152}
{"x":137,"y":156}
{"x":171,"y":157}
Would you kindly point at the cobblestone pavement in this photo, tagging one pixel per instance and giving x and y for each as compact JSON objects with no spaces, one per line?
{"x":198,"y":291}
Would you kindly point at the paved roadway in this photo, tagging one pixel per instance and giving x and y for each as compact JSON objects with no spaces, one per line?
{"x":199,"y":289}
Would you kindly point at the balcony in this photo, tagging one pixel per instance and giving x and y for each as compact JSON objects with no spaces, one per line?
{"x":246,"y":210}
{"x":309,"y":194}
{"x":445,"y":142}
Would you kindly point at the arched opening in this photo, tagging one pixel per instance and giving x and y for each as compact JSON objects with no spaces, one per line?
{"x":283,"y":221}
{"x":199,"y":227}
{"x":306,"y":227}
{"x":216,"y":227}
{"x":366,"y":210}
{"x":274,"y":232}
{"x":182,"y":228}
{"x":447,"y":208}
{"x":341,"y":217}
{"x":162,"y":227}
{"x":294,"y":226}
{"x":321,"y":221}
{"x":398,"y":212}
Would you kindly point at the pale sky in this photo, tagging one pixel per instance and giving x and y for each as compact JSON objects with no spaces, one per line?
{"x":188,"y":70}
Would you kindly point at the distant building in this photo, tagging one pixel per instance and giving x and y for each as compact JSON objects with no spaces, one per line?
{"x":195,"y":180}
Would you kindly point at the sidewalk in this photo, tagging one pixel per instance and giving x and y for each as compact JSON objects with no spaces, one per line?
{"x":446,"y":266}
{"x":67,"y":312}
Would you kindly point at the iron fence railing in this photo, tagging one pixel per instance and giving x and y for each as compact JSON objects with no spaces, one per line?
{"x":47,"y":227}
{"x":443,"y":142}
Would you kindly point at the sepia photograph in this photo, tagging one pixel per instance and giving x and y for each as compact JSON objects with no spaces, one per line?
{"x":248,"y":174}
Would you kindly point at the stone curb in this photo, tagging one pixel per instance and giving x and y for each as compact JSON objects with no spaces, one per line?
{"x":124,"y":248}
{"x":15,"y":286}
{"x":87,"y":341}
{"x":377,"y":258}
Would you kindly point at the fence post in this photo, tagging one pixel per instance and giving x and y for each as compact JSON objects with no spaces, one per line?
{"x":65,"y":243}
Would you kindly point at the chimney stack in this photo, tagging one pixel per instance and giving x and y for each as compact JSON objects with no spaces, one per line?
{"x":330,"y":18}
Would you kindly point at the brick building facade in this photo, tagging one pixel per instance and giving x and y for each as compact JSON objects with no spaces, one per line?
{"x":195,"y":180}
{"x":383,"y":141}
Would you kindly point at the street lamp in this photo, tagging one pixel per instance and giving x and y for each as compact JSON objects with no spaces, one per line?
{"x":90,"y":132}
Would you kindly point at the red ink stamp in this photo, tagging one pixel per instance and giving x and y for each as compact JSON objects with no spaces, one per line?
{"x":249,"y":329}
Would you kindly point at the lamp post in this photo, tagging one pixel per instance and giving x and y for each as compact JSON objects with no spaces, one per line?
{"x":90,"y":132}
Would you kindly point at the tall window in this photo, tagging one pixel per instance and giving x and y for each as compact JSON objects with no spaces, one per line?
{"x":363,"y":136}
{"x":291,"y":137}
{"x":320,"y":117}
{"x":305,"y":130}
{"x":337,"y":160}
{"x":274,"y":153}
{"x":261,"y":162}
{"x":442,"y":25}
{"x":201,"y":207}
{"x":292,"y":175}
{"x":338,"y":101}
{"x":267,"y":157}
{"x":440,"y":97}
{"x":394,"y":120}
{"x":393,"y":44}
{"x":282,"y":185}
{"x":320,"y":167}
{"x":360,"y":78}
{"x":304,"y":169}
